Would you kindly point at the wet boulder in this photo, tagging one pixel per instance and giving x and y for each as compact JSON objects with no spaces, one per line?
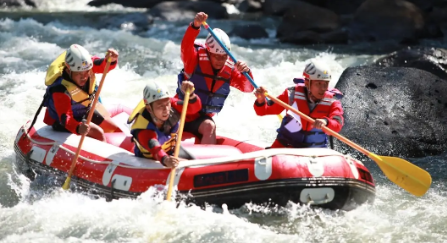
{"x":377,"y":20}
{"x":437,"y":22}
{"x":249,"y":6}
{"x":17,"y":3}
{"x":174,"y":11}
{"x":432,"y":60}
{"x":424,"y":5}
{"x":249,"y":31}
{"x":305,"y":17}
{"x":135,"y":22}
{"x":395,"y":111}
{"x":342,"y":6}
{"x":126,"y":3}
{"x":278,"y":7}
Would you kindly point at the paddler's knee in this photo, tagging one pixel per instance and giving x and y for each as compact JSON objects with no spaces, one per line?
{"x":96,"y":132}
{"x":207,"y":127}
{"x":208,"y":131}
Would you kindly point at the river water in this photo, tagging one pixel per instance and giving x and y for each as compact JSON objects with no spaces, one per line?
{"x":30,"y":213}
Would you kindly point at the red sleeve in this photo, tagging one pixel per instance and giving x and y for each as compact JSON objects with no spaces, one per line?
{"x":149,"y":140}
{"x":99,"y":64}
{"x":194,"y":105}
{"x":335,"y":118}
{"x":271,"y":108}
{"x":240,"y":82}
{"x":188,"y":51}
{"x":62,"y":104}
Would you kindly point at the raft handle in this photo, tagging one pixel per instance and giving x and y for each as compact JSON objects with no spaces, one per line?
{"x":110,"y":197}
{"x":313,"y":202}
{"x":28,"y":171}
{"x":313,"y":160}
{"x":263,"y":159}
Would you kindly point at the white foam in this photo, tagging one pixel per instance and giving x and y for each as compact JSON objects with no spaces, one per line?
{"x":72,"y":217}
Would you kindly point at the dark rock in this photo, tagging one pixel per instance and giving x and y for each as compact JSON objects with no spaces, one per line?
{"x":250,"y":6}
{"x":150,"y":3}
{"x":174,"y":11}
{"x":10,"y":3}
{"x":433,"y":30}
{"x":249,"y":31}
{"x":303,"y":37}
{"x":439,"y":3}
{"x":306,"y":17}
{"x":132,"y":21}
{"x":306,"y":37}
{"x":319,"y":3}
{"x":30,"y":3}
{"x":387,"y":19}
{"x":438,"y":15}
{"x":346,"y":20}
{"x":424,"y":5}
{"x":339,"y":36}
{"x":343,"y":6}
{"x":394,"y":111}
{"x":278,"y":7}
{"x":437,"y":22}
{"x":126,"y":3}
{"x":220,"y":1}
{"x":432,"y":60}
{"x":17,"y":3}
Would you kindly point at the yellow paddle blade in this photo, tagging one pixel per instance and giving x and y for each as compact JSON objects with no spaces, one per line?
{"x":66,"y":185}
{"x":404,"y":174}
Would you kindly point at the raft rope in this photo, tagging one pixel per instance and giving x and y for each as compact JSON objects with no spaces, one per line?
{"x":199,"y":162}
{"x":37,"y":113}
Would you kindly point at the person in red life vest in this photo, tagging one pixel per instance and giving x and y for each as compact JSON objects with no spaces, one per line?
{"x":156,"y":124}
{"x":311,"y":98}
{"x":70,"y":92}
{"x":212,"y":72}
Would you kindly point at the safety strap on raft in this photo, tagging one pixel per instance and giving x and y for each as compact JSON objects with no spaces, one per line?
{"x":37,"y":113}
{"x":331,"y":141}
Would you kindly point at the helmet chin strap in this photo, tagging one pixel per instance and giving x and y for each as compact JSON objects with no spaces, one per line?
{"x":311,"y":97}
{"x":309,"y":94}
{"x":68,"y":71}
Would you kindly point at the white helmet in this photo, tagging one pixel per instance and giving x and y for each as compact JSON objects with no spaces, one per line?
{"x":317,"y":70}
{"x":213,"y":46}
{"x":78,"y":58}
{"x":154,"y":91}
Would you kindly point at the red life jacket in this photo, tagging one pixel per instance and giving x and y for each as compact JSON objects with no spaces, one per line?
{"x":213,"y":89}
{"x":308,"y":136}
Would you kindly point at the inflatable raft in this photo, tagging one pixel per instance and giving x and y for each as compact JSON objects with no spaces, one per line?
{"x":231,"y":172}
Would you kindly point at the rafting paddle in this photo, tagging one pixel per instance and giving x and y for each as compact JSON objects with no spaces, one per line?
{"x":210,"y":30}
{"x":177,"y":143}
{"x":66,"y":185}
{"x":403,"y":173}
